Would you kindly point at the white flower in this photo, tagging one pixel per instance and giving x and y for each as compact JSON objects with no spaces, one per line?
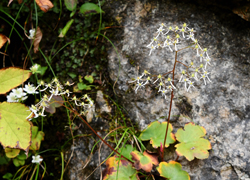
{"x":36,"y":159}
{"x":12,"y":98}
{"x":207,"y":62}
{"x":34,"y":68}
{"x":139,"y":85}
{"x":19,"y":92}
{"x":33,"y":110}
{"x":30,"y":89}
{"x":32,"y":33}
{"x":191,"y":84}
{"x":163,"y":93}
{"x":152,"y":47}
{"x":204,"y":76}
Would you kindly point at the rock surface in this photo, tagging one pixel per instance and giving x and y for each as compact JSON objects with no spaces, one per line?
{"x":222,"y":106}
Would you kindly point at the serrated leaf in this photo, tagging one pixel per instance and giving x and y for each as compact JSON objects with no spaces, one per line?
{"x":15,"y":129}
{"x":66,"y":28}
{"x":125,"y":151}
{"x":11,"y":78}
{"x":172,"y":171}
{"x":144,"y":161}
{"x":56,"y":101}
{"x":36,"y":138}
{"x":191,"y":142}
{"x":155,"y":132}
{"x":88,"y":8}
{"x":89,"y":78}
{"x":11,"y":153}
{"x":3,"y":40}
{"x":123,"y":171}
{"x":70,"y":4}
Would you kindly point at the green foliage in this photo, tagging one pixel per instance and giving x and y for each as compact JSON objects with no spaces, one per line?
{"x":4,"y":159}
{"x":119,"y":169}
{"x":36,"y":138}
{"x":20,"y":159}
{"x":155,"y":132}
{"x":66,"y":28}
{"x":89,"y":78}
{"x":88,"y":8}
{"x":11,"y":78}
{"x":15,"y":128}
{"x":8,"y":176}
{"x":70,"y":4}
{"x":191,"y":142}
{"x":126,"y":150}
{"x":172,"y":171}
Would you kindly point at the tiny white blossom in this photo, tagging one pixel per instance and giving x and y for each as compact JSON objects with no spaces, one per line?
{"x":204,"y":76}
{"x":32,"y":33}
{"x":19,"y":92}
{"x":30,"y":89}
{"x":34,"y":68}
{"x":37,"y":159}
{"x":12,"y":98}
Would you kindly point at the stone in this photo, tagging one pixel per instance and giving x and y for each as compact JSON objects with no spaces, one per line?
{"x":221,"y":107}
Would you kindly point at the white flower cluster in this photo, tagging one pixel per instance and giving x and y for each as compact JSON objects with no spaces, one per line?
{"x":37,"y":159}
{"x":172,"y":38}
{"x":19,"y":94}
{"x":54,"y":88}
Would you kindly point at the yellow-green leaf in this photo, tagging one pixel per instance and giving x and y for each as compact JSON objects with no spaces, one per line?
{"x":37,"y":137}
{"x":155,"y":132}
{"x":11,"y":153}
{"x":15,"y":129}
{"x":11,"y":78}
{"x":191,"y":142}
{"x":172,"y":171}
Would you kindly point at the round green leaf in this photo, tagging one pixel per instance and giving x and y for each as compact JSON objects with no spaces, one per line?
{"x":11,"y":78}
{"x":172,"y":171}
{"x":191,"y":142}
{"x":119,"y":169}
{"x":155,"y":132}
{"x":87,"y":8}
{"x":15,"y":129}
{"x":11,"y":153}
{"x":70,"y":4}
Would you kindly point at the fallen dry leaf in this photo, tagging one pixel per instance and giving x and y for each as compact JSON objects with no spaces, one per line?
{"x":3,"y":40}
{"x":44,"y":5}
{"x":37,"y":40}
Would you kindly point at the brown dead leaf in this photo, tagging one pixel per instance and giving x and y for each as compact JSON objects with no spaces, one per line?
{"x":44,"y":5}
{"x":37,"y":40}
{"x":20,"y":1}
{"x":3,"y":40}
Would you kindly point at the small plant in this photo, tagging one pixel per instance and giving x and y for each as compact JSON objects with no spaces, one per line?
{"x":21,"y":126}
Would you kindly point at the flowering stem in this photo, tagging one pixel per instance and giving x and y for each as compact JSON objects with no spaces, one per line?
{"x":170,"y":106}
